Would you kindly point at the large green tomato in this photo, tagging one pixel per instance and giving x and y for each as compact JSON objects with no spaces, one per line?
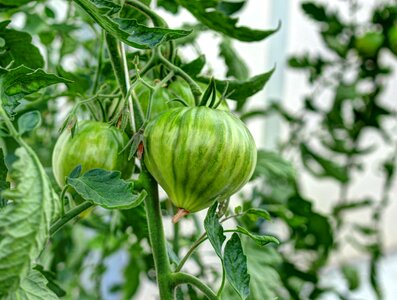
{"x":163,"y":96}
{"x":369,"y":44}
{"x":199,"y":155}
{"x":392,"y":39}
{"x":94,"y":145}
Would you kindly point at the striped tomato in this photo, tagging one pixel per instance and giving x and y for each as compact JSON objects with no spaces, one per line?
{"x":94,"y":145}
{"x":199,"y":155}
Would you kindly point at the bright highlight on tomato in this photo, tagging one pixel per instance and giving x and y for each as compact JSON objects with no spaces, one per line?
{"x":199,"y":155}
{"x":94,"y":145}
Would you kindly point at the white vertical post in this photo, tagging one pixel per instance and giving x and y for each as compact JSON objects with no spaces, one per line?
{"x":277,"y":54}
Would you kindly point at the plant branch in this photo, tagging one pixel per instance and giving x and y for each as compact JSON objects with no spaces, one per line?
{"x":69,"y":216}
{"x":184,"y":278}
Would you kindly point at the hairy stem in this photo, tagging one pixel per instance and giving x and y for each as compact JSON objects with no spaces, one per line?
{"x":156,"y":236}
{"x":69,"y":216}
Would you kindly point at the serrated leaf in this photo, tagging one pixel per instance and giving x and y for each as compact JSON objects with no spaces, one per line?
{"x":235,"y":263}
{"x":128,"y":30}
{"x":19,"y":48}
{"x":106,"y":189}
{"x":194,"y":67}
{"x":171,"y":5}
{"x":33,"y":287}
{"x":261,"y":240}
{"x":271,"y":165}
{"x":29,"y":121}
{"x":214,"y":230}
{"x":236,"y":66}
{"x":240,"y":90}
{"x":208,"y":13}
{"x":19,"y":82}
{"x":24,"y":225}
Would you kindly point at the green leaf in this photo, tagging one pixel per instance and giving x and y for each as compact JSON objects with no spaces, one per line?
{"x":214,"y":229}
{"x":315,"y":11}
{"x":338,"y":209}
{"x":265,"y":281}
{"x":106,"y":189}
{"x":128,"y":30}
{"x":171,"y":5}
{"x":236,"y":266}
{"x":19,"y":82}
{"x":322,"y":167}
{"x":236,"y":66}
{"x":51,"y":278}
{"x":24,"y":225}
{"x":10,"y":4}
{"x":255,"y":213}
{"x":240,"y":90}
{"x":230,"y":7}
{"x":33,"y":287}
{"x":271,"y":165}
{"x":261,"y":240}
{"x":29,"y":121}
{"x":208,"y":13}
{"x":18,"y":49}
{"x":194,"y":67}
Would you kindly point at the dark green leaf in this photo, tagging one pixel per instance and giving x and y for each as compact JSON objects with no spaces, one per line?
{"x":171,"y":5}
{"x":194,"y":67}
{"x":75,"y":172}
{"x":128,"y":30}
{"x":106,"y":189}
{"x":230,"y":7}
{"x":315,"y":11}
{"x":51,"y":281}
{"x":214,"y":230}
{"x":79,"y":80}
{"x":19,"y":49}
{"x":322,"y":167}
{"x":260,"y":240}
{"x":351,"y":205}
{"x":271,"y":165}
{"x":236,"y":67}
{"x":240,"y":90}
{"x":29,"y":121}
{"x":236,"y":266}
{"x":17,"y":83}
{"x":207,"y":13}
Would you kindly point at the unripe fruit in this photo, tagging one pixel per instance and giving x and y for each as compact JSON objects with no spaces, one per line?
{"x":392,"y":39}
{"x":94,"y":145}
{"x":199,"y":155}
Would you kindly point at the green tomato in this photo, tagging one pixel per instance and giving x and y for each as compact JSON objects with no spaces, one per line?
{"x":392,"y":39}
{"x":199,"y":155}
{"x":94,"y":145}
{"x":162,"y":98}
{"x":369,"y":44}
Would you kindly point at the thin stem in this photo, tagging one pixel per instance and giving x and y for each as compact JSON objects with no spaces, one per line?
{"x":195,"y":245}
{"x":222,"y":283}
{"x":156,"y":235}
{"x":69,"y":216}
{"x":196,"y":90}
{"x":156,"y":19}
{"x":183,"y":278}
{"x":99,"y":65}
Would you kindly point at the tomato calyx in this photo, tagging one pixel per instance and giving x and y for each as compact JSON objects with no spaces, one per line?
{"x":179,"y":215}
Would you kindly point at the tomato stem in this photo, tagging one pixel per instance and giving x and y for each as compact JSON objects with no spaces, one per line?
{"x":157,"y":236}
{"x":180,"y":214}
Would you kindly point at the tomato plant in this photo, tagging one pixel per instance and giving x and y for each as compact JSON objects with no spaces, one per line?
{"x":106,"y":109}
